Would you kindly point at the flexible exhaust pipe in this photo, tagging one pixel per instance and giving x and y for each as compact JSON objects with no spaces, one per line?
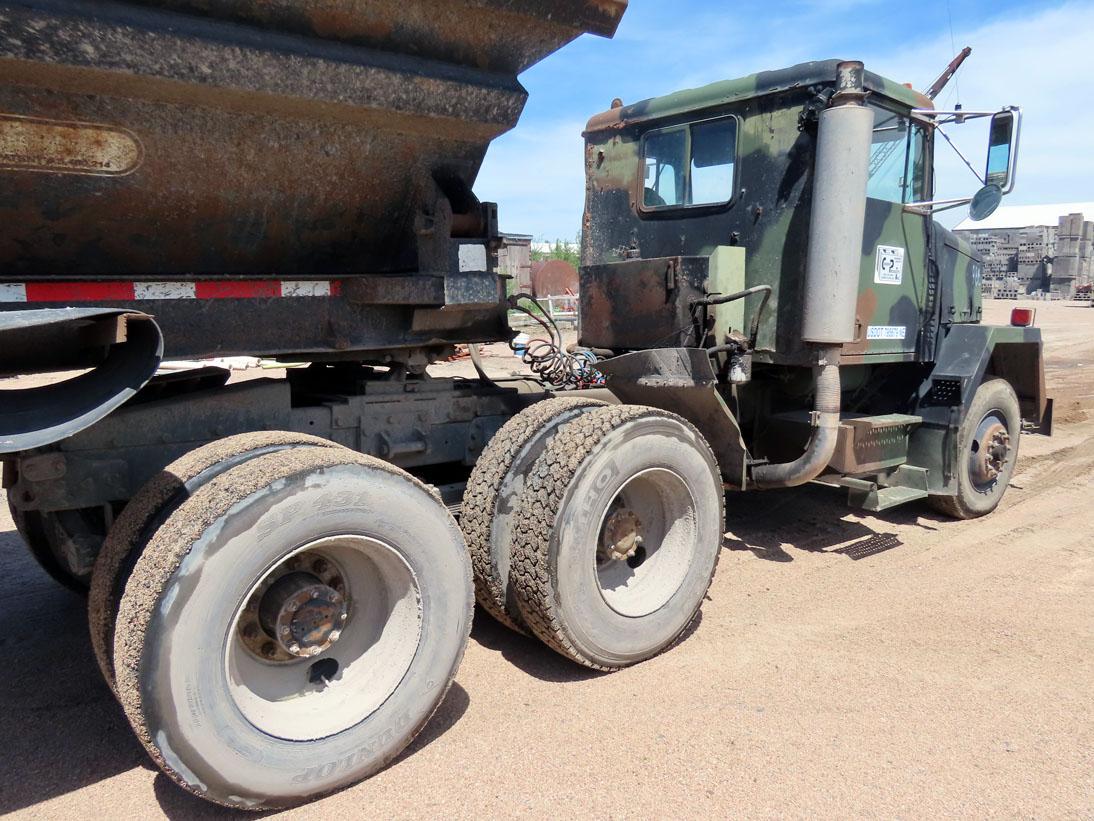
{"x":822,"y":441}
{"x":844,"y":133}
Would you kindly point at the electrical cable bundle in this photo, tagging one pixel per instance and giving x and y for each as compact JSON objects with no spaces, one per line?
{"x":547,"y":359}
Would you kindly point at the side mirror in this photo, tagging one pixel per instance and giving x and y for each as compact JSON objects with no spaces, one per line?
{"x":985,"y":202}
{"x":1003,"y":149}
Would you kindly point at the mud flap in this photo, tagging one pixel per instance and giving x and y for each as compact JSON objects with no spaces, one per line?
{"x":682,"y":381}
{"x":121,"y":348}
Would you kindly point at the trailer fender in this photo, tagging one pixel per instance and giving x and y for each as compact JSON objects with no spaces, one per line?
{"x":121,"y":349}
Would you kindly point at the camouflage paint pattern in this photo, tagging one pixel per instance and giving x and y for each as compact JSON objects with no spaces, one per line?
{"x":769,"y":212}
{"x":919,"y":349}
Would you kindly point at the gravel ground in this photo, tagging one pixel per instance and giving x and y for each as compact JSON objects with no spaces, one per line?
{"x":845,"y":664}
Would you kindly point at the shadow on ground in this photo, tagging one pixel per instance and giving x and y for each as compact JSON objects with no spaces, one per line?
{"x":532,"y":657}
{"x":62,"y":728}
{"x":526,"y":652}
{"x":815,"y":519}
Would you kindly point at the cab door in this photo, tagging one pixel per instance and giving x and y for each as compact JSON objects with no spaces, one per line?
{"x":893,"y":276}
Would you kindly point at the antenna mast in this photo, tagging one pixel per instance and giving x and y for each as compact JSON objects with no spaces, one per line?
{"x":951,"y":70}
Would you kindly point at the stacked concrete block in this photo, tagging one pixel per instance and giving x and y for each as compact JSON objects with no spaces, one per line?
{"x":1072,"y":266}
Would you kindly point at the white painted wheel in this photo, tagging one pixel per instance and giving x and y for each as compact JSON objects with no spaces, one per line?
{"x":291,"y":626}
{"x":329,"y":664}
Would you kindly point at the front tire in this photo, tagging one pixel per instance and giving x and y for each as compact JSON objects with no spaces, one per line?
{"x":291,"y":626}
{"x":985,"y":452}
{"x":617,"y":535}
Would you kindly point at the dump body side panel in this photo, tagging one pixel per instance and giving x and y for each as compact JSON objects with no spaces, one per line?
{"x":152,"y":149}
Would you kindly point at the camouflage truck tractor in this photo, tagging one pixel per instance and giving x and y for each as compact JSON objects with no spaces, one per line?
{"x":279,"y":594}
{"x":759,"y":257}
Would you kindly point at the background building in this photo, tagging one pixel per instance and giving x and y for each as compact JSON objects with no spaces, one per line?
{"x":1030,"y":248}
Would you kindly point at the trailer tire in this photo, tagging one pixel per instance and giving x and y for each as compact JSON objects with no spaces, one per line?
{"x":618,"y":535}
{"x":253,"y":730}
{"x":493,"y":494}
{"x":148,"y":508}
{"x":994,"y":418}
{"x":45,"y":534}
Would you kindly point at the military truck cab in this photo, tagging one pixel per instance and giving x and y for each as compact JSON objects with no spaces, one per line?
{"x":718,"y":219}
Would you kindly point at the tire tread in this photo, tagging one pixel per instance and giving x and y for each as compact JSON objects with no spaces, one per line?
{"x":173,"y":540}
{"x":544,"y":494}
{"x":481,"y":498}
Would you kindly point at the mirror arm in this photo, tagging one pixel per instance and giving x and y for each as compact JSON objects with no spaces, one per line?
{"x":962,"y":156}
{"x":930,"y":113}
{"x":934,"y":206}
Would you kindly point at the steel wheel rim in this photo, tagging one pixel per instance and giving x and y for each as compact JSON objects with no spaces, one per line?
{"x":659,"y":508}
{"x":320,"y":694}
{"x":989,"y":451}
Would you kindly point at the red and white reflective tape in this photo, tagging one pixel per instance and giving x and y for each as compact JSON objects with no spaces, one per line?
{"x":138,"y":291}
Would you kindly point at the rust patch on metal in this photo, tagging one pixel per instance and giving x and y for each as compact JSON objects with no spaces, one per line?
{"x":61,"y":147}
{"x":342,"y":24}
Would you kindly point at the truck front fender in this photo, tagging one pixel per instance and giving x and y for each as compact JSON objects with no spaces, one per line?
{"x":969,"y":353}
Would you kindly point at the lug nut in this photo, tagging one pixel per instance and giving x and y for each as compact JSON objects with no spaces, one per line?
{"x":319,"y":566}
{"x":250,"y":630}
{"x":268,"y":649}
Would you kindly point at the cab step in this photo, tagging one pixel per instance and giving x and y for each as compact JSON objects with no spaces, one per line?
{"x":905,"y":484}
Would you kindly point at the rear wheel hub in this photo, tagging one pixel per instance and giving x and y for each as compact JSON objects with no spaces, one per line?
{"x":621,"y":535}
{"x":298,"y":611}
{"x":302,"y":614}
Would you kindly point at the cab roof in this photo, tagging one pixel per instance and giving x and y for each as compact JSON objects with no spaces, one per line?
{"x":803,"y":75}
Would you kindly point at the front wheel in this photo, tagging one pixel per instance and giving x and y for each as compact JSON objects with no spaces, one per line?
{"x":291,"y":626}
{"x":985,"y":452}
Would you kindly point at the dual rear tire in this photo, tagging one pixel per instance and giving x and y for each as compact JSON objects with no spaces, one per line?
{"x":282,"y":622}
{"x":614,"y":531}
{"x":63,"y":543}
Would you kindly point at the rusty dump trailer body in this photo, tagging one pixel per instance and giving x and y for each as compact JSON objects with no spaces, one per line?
{"x":264,"y":178}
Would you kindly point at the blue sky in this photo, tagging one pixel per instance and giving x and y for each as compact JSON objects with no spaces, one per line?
{"x":1038,"y":55}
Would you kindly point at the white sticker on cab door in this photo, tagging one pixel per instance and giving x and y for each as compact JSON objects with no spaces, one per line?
{"x":889,"y":265}
{"x":886,"y":332}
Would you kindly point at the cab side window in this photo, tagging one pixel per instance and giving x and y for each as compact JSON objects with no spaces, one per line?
{"x":898,"y":166}
{"x":665,"y":158}
{"x":713,"y":155}
{"x":689,"y":165}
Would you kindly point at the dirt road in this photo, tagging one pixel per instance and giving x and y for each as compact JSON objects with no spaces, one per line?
{"x":845,"y":664}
